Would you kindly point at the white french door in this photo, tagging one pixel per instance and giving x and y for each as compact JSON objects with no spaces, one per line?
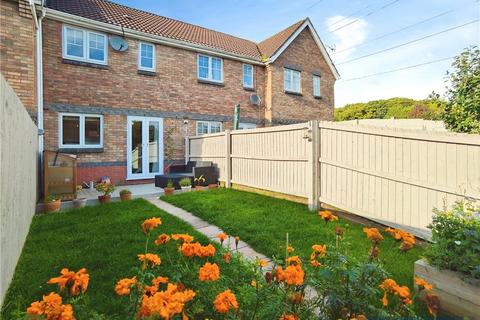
{"x":144,"y":147}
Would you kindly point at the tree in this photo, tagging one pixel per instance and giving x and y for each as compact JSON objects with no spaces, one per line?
{"x":462,"y":111}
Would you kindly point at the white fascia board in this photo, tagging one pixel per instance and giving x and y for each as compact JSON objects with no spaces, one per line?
{"x":318,"y":41}
{"x":113,"y":29}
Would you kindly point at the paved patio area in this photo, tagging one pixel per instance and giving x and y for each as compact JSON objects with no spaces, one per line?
{"x":138,"y":191}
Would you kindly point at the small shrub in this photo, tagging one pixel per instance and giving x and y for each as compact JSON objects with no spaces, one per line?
{"x":125,"y":191}
{"x":456,"y":239}
{"x":105,"y":187}
{"x":50,"y":198}
{"x":185,"y":182}
{"x":170,"y":183}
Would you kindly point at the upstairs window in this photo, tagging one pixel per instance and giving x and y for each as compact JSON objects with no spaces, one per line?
{"x":146,"y":56}
{"x":248,"y":76}
{"x":210,"y":68}
{"x":80,"y":130}
{"x":316,"y":86}
{"x":83,"y":45}
{"x":292,"y":79}
{"x":204,"y":127}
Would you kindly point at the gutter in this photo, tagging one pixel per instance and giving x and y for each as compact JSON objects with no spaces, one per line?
{"x":139,"y":35}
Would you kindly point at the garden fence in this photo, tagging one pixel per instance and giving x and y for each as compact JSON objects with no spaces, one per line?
{"x":395,"y":176}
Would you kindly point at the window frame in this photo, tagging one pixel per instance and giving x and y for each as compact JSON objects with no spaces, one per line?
{"x":154,"y":64}
{"x":247,"y":125}
{"x":210,"y":68}
{"x":81,"y":129}
{"x":292,"y":71}
{"x":315,"y":76}
{"x":86,"y":45}
{"x":243,"y":76}
{"x":209,"y":127}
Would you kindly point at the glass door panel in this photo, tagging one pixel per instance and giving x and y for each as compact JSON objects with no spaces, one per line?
{"x":153,"y":155}
{"x":136,"y":148}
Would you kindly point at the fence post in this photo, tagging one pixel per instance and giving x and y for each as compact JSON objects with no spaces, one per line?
{"x":314,"y":192}
{"x":228,"y":159}
{"x":187,"y":149}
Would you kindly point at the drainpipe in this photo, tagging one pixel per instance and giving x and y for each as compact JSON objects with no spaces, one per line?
{"x":39,"y":82}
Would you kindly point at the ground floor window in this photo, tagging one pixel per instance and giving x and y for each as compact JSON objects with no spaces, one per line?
{"x":80,"y":130}
{"x":204,"y":127}
{"x":246,"y":125}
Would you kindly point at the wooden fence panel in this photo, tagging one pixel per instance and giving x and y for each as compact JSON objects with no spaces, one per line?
{"x":396,"y":176}
{"x":209,"y":147}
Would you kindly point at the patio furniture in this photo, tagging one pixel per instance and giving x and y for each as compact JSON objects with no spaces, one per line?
{"x":191,"y":170}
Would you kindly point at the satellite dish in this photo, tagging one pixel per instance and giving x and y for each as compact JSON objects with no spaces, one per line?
{"x":118,"y":43}
{"x":255,"y":99}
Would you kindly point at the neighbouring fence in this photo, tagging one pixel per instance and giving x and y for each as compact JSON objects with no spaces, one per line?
{"x":395,"y":176}
{"x":18,"y":180}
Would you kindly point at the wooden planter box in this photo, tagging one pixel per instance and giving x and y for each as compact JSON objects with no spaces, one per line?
{"x":458,"y":297}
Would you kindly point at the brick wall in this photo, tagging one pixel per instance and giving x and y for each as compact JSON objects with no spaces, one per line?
{"x":17,"y":50}
{"x":304,"y":53}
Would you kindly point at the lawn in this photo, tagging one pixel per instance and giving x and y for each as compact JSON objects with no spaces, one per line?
{"x":263,"y":222}
{"x":106,"y":240}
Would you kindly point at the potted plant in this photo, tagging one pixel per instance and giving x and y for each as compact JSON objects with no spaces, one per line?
{"x":452,"y":260}
{"x":106,"y":188}
{"x":213,"y":186}
{"x":125,"y":195}
{"x":52,"y":204}
{"x":79,"y":202}
{"x":186,"y":184}
{"x":198,"y":183}
{"x":169,"y":189}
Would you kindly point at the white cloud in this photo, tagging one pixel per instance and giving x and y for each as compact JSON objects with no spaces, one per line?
{"x":353,"y":34}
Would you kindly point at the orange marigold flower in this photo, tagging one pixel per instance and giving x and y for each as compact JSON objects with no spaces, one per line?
{"x":226,"y":257}
{"x":327,"y":216}
{"x":290,"y":249}
{"x":359,"y":317}
{"x":158,"y":280}
{"x":292,"y":275}
{"x":150,"y":224}
{"x":209,"y":272}
{"x":225,"y":301}
{"x":166,"y":303}
{"x":254,"y":283}
{"x":293,"y":260}
{"x":123,"y":286}
{"x":150,"y":259}
{"x":262,"y":263}
{"x":197,"y":250}
{"x":296,"y":298}
{"x":186,"y":238}
{"x":315,"y":263}
{"x":433,"y":304}
{"x":320,"y":249}
{"x":78,"y":281}
{"x":373,"y":234}
{"x":391,"y":286}
{"x":162,"y":239}
{"x":289,"y":317}
{"x":206,"y":251}
{"x":222,"y":237}
{"x":422,"y":284}
{"x":51,"y":308}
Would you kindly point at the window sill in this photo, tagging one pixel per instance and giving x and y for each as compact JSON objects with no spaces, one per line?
{"x":219,"y":84}
{"x":147,"y":73}
{"x":293,"y":93}
{"x":248,"y":89}
{"x":80,"y":150}
{"x":318,"y":97}
{"x":85,"y":64}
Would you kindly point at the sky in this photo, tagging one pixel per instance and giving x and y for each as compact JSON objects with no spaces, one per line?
{"x":351,"y":29}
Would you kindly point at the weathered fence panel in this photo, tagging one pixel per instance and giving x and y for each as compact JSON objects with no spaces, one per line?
{"x":396,"y":176}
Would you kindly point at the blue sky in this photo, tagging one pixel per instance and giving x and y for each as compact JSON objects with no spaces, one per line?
{"x":258,"y":19}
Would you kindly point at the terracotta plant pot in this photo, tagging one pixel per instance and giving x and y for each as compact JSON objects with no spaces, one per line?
{"x":104,"y":199}
{"x":79,"y":203}
{"x":52,"y":206}
{"x":169,"y":191}
{"x":212,"y":186}
{"x":126,"y":196}
{"x":199,"y":188}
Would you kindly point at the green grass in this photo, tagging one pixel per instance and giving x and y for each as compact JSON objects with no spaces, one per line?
{"x":104,"y":239}
{"x":263,"y":222}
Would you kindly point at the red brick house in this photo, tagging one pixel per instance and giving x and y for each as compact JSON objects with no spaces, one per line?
{"x":114,"y":84}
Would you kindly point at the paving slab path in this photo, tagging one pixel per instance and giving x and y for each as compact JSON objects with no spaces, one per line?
{"x":209,"y":230}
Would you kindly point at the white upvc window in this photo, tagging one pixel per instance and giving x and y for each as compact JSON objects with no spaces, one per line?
{"x":83,"y":45}
{"x":146,"y":56}
{"x":316,"y":86}
{"x":205,"y":127}
{"x":210,"y":68}
{"x":292,"y":80}
{"x":247,"y":75}
{"x":77,"y":130}
{"x":246,"y":125}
